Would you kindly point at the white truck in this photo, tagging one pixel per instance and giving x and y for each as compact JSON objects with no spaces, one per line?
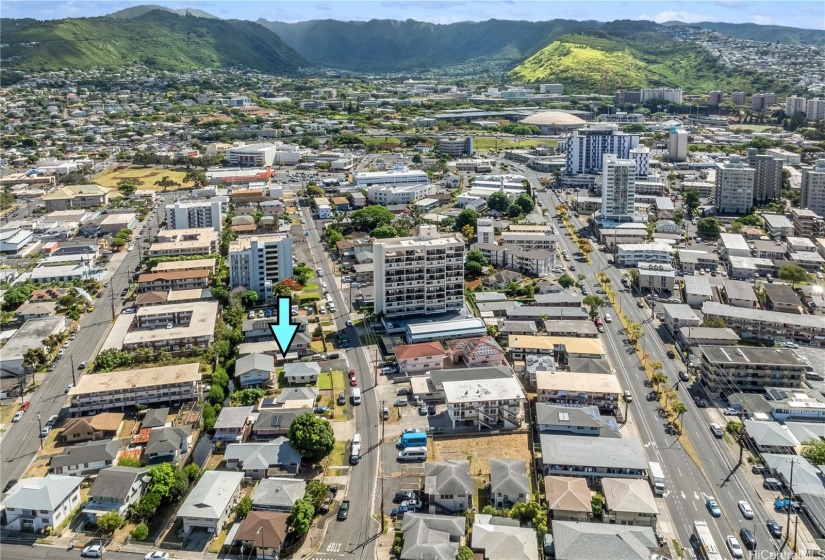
{"x":657,"y":478}
{"x":355,"y":450}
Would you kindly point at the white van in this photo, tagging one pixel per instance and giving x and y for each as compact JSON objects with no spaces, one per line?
{"x":412,"y":454}
{"x":355,"y":450}
{"x":716,"y":430}
{"x":356,"y":395}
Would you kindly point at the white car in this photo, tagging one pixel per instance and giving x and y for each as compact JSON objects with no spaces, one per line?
{"x":791,"y":345}
{"x":608,"y":318}
{"x":157,"y":555}
{"x":734,"y":546}
{"x":93,"y":551}
{"x":17,"y":416}
{"x":746,"y":510}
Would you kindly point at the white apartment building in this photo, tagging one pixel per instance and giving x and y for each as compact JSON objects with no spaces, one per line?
{"x":656,"y":276}
{"x":584,"y":149}
{"x":485,"y":403}
{"x":185,"y":214}
{"x":672,"y":95}
{"x":790,"y":158}
{"x":552,"y":89}
{"x":677,"y":144}
{"x":813,"y":188}
{"x":815,"y":109}
{"x":252,"y":155}
{"x":259,"y":262}
{"x":399,"y":194}
{"x":190,"y":241}
{"x":734,"y":186}
{"x":397,"y":178}
{"x":485,"y":232}
{"x":618,"y":188}
{"x":767,"y":181}
{"x":795,"y":104}
{"x":323,"y":208}
{"x":528,"y":240}
{"x":738,"y":97}
{"x":419,"y":275}
{"x":641,"y":155}
{"x":632,"y":254}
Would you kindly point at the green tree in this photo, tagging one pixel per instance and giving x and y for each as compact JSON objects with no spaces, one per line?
{"x":594,"y":303}
{"x":246,"y":397}
{"x":301,"y":516}
{"x":692,"y":200}
{"x":466,"y":217}
{"x":315,"y":191}
{"x":163,"y":477}
{"x":659,"y":378}
{"x":464,"y":553}
{"x":118,"y":242}
{"x":333,"y":237}
{"x":243,"y":508}
{"x":371,"y":217}
{"x":498,"y":202}
{"x":315,"y":493}
{"x":514,"y":210}
{"x":128,"y":462}
{"x":597,"y":503}
{"x":416,"y":158}
{"x":565,"y":281}
{"x":166,"y":182}
{"x":384,"y":232}
{"x":209,"y":417}
{"x":128,"y":187}
{"x":793,"y":273}
{"x":196,"y":176}
{"x":140,"y":532}
{"x":249,"y":298}
{"x":473,"y":269}
{"x":525,"y":203}
{"x":814,"y":451}
{"x":311,"y":436}
{"x":475,"y":255}
{"x":714,"y":322}
{"x":34,"y":357}
{"x":301,"y":274}
{"x":146,"y":507}
{"x":216,"y":394}
{"x":709,"y":228}
{"x":109,"y":522}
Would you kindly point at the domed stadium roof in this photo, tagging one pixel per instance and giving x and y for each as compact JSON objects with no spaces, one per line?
{"x":554,"y":118}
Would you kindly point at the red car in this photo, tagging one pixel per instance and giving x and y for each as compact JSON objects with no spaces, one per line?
{"x":25,"y":406}
{"x":353,"y":382}
{"x":351,"y":373}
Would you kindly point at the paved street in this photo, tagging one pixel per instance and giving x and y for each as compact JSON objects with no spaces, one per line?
{"x":687,"y":487}
{"x":21,"y":442}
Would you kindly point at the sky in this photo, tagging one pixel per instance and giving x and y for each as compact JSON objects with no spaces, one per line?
{"x":801,"y":14}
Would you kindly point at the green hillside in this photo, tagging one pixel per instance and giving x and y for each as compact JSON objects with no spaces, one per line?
{"x":764,"y":33}
{"x":623,"y":53}
{"x":137,"y":11}
{"x":158,"y":39}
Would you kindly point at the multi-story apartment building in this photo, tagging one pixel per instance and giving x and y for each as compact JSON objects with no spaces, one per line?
{"x":419,"y":275}
{"x":813,"y":188}
{"x":252,"y":155}
{"x":641,"y":155}
{"x":671,"y":95}
{"x":815,"y":109}
{"x":455,"y":146}
{"x":632,"y":254}
{"x":395,"y":178}
{"x":769,"y":326}
{"x":174,"y":327}
{"x":807,"y":223}
{"x":259,"y":262}
{"x":762,"y":101}
{"x":485,"y":403}
{"x":399,"y":194}
{"x":552,"y":89}
{"x":734,"y":186}
{"x":677,"y":144}
{"x":790,"y":158}
{"x":176,"y":242}
{"x":767,"y":179}
{"x":585,"y":148}
{"x":173,"y":280}
{"x":567,"y":388}
{"x":485,"y":232}
{"x":741,"y":368}
{"x":738,"y":97}
{"x":186,"y":214}
{"x":106,"y":391}
{"x":795,"y":104}
{"x":715,"y":98}
{"x":618,"y":188}
{"x":529,"y":240}
{"x":656,"y":277}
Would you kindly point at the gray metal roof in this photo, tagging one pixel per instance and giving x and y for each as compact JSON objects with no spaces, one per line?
{"x":434,"y":537}
{"x":262,"y":362}
{"x":116,"y":482}
{"x":42,"y":492}
{"x":233,"y":416}
{"x":278,"y":493}
{"x":167,"y":440}
{"x":592,"y":452}
{"x":448,"y":477}
{"x":629,"y":495}
{"x":578,"y":540}
{"x":502,"y":542}
{"x":256,"y":456}
{"x":509,"y":477}
{"x":155,"y":417}
{"x":211,"y":496}
{"x":91,"y":452}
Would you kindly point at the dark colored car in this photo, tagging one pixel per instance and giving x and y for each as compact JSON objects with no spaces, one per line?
{"x":671,"y":354}
{"x":9,"y":485}
{"x":124,"y":291}
{"x":432,"y":410}
{"x":343,"y":511}
{"x":747,"y":538}
{"x":402,"y":496}
{"x":774,"y":528}
{"x":342,"y":399}
{"x":699,"y":402}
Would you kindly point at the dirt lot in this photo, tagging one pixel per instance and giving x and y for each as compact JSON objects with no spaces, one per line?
{"x":479,"y":450}
{"x":148,"y":175}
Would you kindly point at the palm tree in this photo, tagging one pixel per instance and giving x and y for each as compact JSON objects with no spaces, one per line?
{"x":658,"y":379}
{"x":679,"y":408}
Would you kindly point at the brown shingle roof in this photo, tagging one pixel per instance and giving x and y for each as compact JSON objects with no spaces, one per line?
{"x":103,"y":422}
{"x":567,"y":493}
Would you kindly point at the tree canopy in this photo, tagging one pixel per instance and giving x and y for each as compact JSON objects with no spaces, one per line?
{"x":565,"y":281}
{"x":467,"y":217}
{"x":498,"y":201}
{"x":708,"y":227}
{"x":311,"y":436}
{"x":793,"y":273}
{"x":371,"y":217}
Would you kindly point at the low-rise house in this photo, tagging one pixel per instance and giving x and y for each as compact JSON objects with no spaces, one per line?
{"x":168,"y":444}
{"x":255,"y":370}
{"x":503,"y":539}
{"x":234,"y":424}
{"x":39,"y":502}
{"x":274,"y":422}
{"x":697,"y":290}
{"x":485,"y":403}
{"x":92,"y":428}
{"x":564,"y":347}
{"x":262,"y":531}
{"x":35,"y":310}
{"x":781,"y":297}
{"x":115,"y":489}
{"x":421,"y":357}
{"x":278,"y":494}
{"x":508,"y":482}
{"x":255,"y":459}
{"x":585,"y":329}
{"x":507,"y":327}
{"x":208,"y":505}
{"x":477,"y":352}
{"x":155,"y":418}
{"x":771,"y":437}
{"x":302,"y":372}
{"x":568,"y":498}
{"x":740,"y":294}
{"x":435,"y":537}
{"x":577,"y":540}
{"x":629,"y":502}
{"x":560,"y":299}
{"x":87,"y":458}
{"x":592,"y":458}
{"x":582,"y":421}
{"x":449,"y":485}
{"x":293,"y":397}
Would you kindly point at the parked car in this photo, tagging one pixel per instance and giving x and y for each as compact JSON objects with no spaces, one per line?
{"x":435,"y":430}
{"x":422,"y":410}
{"x":353,"y":382}
{"x":699,"y":402}
{"x":404,"y":391}
{"x":9,"y":485}
{"x":342,"y":399}
{"x":403,"y":495}
{"x":82,"y":365}
{"x":400,"y":402}
{"x":343,"y":511}
{"x":774,"y":528}
{"x":431,"y":410}
{"x":157,"y":555}
{"x":93,"y":551}
{"x":17,"y":416}
{"x":411,"y":504}
{"x":45,"y":431}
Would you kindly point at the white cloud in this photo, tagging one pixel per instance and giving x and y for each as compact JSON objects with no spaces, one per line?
{"x":671,"y":15}
{"x":762,"y":20}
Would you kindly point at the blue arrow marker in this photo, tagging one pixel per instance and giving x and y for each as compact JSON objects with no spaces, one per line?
{"x":284,"y":330}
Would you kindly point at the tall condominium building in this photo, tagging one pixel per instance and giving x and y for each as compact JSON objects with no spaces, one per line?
{"x":485,"y":232}
{"x":813,"y":188}
{"x":419,"y":275}
{"x":815,"y":109}
{"x":672,"y":95}
{"x":677,"y":144}
{"x":456,"y":146}
{"x":585,"y":148}
{"x":734,"y":186}
{"x":715,"y":98}
{"x":259,"y":262}
{"x":206,"y":213}
{"x":552,"y":89}
{"x":761,"y":101}
{"x":794,"y":104}
{"x":641,"y":155}
{"x":738,"y":97}
{"x":618,"y":188}
{"x":767,"y":182}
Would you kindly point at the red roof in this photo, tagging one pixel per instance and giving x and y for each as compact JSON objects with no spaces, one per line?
{"x":421,"y":350}
{"x":142,"y":436}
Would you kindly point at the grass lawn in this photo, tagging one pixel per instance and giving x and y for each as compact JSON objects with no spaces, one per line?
{"x":507,"y":143}
{"x":325,"y":382}
{"x":146,"y":174}
{"x":317,"y":346}
{"x":8,"y":412}
{"x":370,"y":141}
{"x":753,"y":127}
{"x":310,"y":287}
{"x":336,"y":456}
{"x":217,"y":543}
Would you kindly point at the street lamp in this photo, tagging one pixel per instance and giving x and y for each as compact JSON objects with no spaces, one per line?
{"x":40,"y":426}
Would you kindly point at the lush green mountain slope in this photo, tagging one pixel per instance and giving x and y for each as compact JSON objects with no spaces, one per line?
{"x":136,"y":11}
{"x":765,"y":33}
{"x":390,"y":45}
{"x":636,"y":56}
{"x":159,"y":39}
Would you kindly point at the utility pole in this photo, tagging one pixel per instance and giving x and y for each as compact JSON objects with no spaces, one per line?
{"x":40,"y":426}
{"x":71,"y":357}
{"x":112,"y":287}
{"x":792,"y":461}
